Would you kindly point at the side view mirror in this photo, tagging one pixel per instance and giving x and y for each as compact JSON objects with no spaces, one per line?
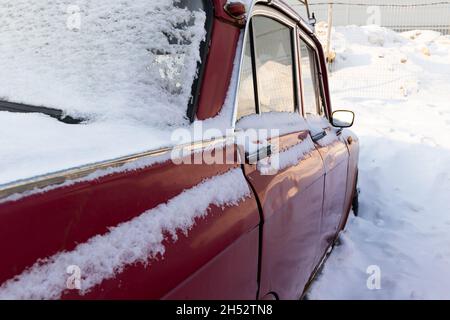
{"x":342,"y":118}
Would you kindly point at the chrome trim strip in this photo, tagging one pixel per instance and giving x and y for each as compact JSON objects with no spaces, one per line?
{"x":253,"y":10}
{"x":286,"y":10}
{"x":60,"y":177}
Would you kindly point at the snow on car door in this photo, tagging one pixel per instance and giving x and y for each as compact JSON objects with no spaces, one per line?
{"x":332,"y":150}
{"x":144,"y":227}
{"x":285,"y":170}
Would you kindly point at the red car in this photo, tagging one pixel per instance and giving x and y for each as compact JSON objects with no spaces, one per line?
{"x":147,"y":227}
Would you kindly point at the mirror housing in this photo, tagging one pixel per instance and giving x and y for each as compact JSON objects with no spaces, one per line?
{"x":342,"y":118}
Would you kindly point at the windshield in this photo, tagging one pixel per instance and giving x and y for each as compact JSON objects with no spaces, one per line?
{"x":97,"y":60}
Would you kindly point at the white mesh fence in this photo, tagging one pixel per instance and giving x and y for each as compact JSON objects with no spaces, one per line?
{"x":389,"y":80}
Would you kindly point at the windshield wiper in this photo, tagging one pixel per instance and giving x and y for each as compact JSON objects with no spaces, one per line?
{"x":54,"y":113}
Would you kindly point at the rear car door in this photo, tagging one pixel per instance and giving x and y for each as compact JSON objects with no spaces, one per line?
{"x":327,"y":139}
{"x":289,"y":179}
{"x":142,"y":227}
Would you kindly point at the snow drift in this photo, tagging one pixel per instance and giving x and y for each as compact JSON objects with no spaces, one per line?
{"x":403,"y":125}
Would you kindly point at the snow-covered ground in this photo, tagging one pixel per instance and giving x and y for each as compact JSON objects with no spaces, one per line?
{"x":399,"y":87}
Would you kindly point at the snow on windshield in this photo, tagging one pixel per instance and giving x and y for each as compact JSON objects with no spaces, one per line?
{"x":102,"y":59}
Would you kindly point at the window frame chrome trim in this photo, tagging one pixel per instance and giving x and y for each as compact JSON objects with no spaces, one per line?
{"x":278,"y":13}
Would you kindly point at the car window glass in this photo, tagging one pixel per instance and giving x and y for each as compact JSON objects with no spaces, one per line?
{"x":312,"y":104}
{"x":274,"y":65}
{"x":246,"y":98}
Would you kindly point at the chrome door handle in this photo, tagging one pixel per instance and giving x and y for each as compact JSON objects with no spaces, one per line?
{"x":319,"y":136}
{"x":262,"y":153}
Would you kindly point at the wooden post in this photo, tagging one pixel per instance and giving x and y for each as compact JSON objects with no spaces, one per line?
{"x":330,"y":25}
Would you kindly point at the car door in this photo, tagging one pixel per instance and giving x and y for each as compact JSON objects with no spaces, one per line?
{"x":106,"y":226}
{"x":331,"y":147}
{"x":289,"y":179}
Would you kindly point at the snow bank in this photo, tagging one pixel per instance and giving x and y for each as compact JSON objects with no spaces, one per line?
{"x":404,"y":222}
{"x":137,"y":240}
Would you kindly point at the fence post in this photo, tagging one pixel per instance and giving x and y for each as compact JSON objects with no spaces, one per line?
{"x":330,"y":25}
